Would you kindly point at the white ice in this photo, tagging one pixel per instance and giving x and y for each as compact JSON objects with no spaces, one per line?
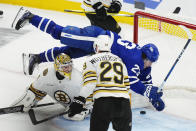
{"x":180,"y":102}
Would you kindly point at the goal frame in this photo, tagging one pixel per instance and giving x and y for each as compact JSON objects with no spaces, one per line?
{"x":156,"y":17}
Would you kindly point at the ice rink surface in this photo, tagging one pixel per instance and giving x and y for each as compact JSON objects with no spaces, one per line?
{"x":180,"y":111}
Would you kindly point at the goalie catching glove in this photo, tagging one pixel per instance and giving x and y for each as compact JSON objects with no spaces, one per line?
{"x":155,"y":97}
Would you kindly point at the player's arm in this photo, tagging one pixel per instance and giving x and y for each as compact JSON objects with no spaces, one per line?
{"x":148,"y":91}
{"x":89,"y":79}
{"x":145,"y":76}
{"x":89,"y":83}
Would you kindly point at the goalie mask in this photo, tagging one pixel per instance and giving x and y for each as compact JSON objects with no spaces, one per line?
{"x":63,"y":65}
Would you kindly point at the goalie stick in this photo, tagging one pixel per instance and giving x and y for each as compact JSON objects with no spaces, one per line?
{"x":15,"y":109}
{"x":179,"y":56}
{"x":88,"y":12}
{"x":35,"y":121}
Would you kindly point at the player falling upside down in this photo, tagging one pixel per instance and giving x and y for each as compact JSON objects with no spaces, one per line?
{"x":62,"y":82}
{"x":80,"y":42}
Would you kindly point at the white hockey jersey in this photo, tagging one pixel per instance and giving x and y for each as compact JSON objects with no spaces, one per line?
{"x":87,"y":4}
{"x":105,"y":75}
{"x":62,"y":91}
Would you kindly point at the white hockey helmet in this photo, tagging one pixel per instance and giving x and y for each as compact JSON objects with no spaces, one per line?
{"x":102,"y":43}
{"x":63,"y":64}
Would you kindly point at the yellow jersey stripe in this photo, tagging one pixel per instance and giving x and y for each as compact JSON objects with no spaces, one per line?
{"x":88,"y":72}
{"x":90,"y":81}
{"x":109,"y":85}
{"x":37,"y":92}
{"x":109,"y":91}
{"x":90,"y":75}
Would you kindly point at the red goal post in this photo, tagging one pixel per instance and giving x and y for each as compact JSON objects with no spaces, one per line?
{"x":160,"y":24}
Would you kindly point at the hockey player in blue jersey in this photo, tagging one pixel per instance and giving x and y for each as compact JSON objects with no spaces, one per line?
{"x":80,"y":42}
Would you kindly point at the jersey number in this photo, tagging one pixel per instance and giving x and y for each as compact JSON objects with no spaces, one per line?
{"x":117,"y":68}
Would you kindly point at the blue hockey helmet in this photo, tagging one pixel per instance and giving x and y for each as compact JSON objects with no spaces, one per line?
{"x":151,"y":52}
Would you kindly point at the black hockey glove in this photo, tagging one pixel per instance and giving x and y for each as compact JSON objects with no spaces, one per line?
{"x":76,"y":106}
{"x":100,"y":10}
{"x":115,"y":7}
{"x":159,"y":105}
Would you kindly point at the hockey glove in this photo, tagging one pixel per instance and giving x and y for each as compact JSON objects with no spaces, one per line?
{"x":159,"y":105}
{"x":76,"y":106}
{"x":78,"y":117}
{"x":152,"y":93}
{"x":100,"y":11}
{"x":115,"y":7}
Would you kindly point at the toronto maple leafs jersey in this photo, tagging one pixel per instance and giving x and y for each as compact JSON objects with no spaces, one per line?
{"x":105,"y":75}
{"x":80,"y":41}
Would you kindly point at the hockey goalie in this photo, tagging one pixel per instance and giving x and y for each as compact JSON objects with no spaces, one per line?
{"x":61,"y":82}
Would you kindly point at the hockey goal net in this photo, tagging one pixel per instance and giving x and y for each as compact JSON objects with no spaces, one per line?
{"x":170,"y":38}
{"x":160,"y":24}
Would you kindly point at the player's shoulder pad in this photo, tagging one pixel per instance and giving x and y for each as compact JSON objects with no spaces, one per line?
{"x":45,"y":72}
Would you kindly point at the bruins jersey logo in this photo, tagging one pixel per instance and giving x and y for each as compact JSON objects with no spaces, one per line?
{"x":62,"y":97}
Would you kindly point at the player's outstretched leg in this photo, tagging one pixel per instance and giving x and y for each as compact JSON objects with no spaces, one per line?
{"x":22,"y":18}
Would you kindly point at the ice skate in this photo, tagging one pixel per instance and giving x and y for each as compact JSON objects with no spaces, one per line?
{"x":22,"y":18}
{"x":30,"y":61}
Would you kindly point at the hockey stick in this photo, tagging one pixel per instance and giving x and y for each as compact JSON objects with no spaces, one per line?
{"x":35,"y":121}
{"x":88,"y":12}
{"x":179,"y":56}
{"x":15,"y":109}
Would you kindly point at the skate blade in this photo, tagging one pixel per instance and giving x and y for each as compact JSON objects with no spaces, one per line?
{"x":17,"y":17}
{"x":25,"y":63}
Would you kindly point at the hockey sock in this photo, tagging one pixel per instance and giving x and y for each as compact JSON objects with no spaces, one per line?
{"x":47,"y":25}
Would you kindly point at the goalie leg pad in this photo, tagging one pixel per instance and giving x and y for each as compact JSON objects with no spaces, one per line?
{"x":30,"y":98}
{"x":27,"y":99}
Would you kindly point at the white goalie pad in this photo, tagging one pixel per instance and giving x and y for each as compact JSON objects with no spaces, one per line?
{"x":27,"y":99}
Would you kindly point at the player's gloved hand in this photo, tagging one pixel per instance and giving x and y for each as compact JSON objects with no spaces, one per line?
{"x":115,"y":7}
{"x":76,"y":106}
{"x":78,"y":117}
{"x":152,"y":93}
{"x":159,"y":105}
{"x":100,"y":10}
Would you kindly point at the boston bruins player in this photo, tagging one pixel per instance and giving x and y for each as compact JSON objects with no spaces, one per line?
{"x":105,"y":75}
{"x":101,"y":8}
{"x":61,"y":82}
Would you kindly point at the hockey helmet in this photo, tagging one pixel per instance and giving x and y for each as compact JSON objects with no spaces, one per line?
{"x":63,"y":64}
{"x":151,"y":52}
{"x":102,"y":43}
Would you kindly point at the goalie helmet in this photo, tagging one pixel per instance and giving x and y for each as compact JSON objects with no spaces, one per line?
{"x":151,"y":52}
{"x":102,"y":43}
{"x":63,"y":65}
